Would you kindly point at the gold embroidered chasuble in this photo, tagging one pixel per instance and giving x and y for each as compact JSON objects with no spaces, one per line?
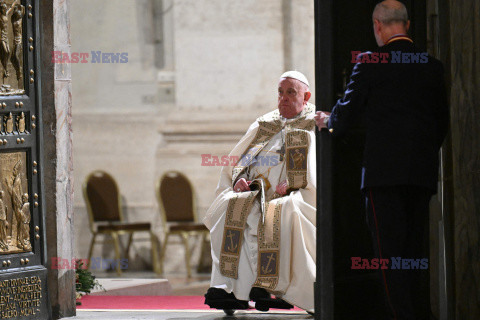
{"x":273,"y":150}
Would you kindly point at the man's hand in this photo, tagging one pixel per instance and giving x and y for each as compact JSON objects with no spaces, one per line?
{"x":321,"y":118}
{"x":281,"y":189}
{"x":241,"y":185}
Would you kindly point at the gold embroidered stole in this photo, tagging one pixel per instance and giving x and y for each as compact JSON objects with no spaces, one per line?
{"x":238,"y":209}
{"x":269,"y":232}
{"x":240,"y":204}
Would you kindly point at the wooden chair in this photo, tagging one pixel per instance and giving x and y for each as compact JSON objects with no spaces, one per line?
{"x":176,"y":199}
{"x":104,"y":208}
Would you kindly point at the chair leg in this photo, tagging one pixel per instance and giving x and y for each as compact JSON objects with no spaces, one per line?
{"x":90,"y":250}
{"x":157,"y":268}
{"x":187,"y":253}
{"x":117,"y":251}
{"x":130,"y":239}
{"x":162,"y":253}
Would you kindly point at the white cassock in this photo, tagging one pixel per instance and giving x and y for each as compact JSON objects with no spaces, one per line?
{"x":275,"y":249}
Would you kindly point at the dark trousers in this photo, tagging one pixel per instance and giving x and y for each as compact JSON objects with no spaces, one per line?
{"x":398,"y":218}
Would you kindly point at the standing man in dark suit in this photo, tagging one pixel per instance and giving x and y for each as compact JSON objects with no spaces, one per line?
{"x":402,"y":95}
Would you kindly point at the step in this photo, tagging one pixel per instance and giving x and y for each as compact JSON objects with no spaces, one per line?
{"x":133,"y":287}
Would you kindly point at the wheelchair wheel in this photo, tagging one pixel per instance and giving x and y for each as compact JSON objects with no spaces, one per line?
{"x":229,"y":312}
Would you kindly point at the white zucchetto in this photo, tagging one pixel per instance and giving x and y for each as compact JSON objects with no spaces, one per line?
{"x":295,"y":75}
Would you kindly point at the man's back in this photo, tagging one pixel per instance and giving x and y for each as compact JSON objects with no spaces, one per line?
{"x":406,"y":115}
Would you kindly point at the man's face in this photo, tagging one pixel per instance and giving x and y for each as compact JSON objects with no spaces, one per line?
{"x":292,"y":97}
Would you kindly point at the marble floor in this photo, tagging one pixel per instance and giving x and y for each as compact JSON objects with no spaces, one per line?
{"x":197,"y":285}
{"x":183,"y":315}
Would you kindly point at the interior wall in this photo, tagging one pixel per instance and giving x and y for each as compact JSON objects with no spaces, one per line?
{"x":465,"y":128}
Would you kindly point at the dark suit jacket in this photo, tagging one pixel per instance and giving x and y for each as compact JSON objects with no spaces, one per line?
{"x":406,"y":116}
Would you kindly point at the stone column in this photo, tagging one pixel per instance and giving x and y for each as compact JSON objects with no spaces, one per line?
{"x":465,"y":128}
{"x":58,"y":169}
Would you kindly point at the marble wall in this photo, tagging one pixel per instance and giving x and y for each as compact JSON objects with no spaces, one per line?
{"x":465,"y":128}
{"x":57,"y":154}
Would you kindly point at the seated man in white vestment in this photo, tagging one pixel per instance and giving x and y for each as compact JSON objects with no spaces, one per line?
{"x":262,"y":222}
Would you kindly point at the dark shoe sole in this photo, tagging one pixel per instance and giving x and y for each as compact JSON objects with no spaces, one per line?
{"x":226,"y":304}
{"x":266,"y":304}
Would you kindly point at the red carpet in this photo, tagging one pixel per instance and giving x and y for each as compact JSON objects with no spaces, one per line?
{"x":143,"y":302}
{"x":146,"y":303}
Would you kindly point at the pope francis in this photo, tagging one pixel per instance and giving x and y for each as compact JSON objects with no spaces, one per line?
{"x":262,"y":222}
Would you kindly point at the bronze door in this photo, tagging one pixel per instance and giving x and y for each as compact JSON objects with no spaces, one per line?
{"x":22,"y":232}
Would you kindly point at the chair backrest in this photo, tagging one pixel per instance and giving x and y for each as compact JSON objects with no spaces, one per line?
{"x":176,"y":197}
{"x":102,"y":197}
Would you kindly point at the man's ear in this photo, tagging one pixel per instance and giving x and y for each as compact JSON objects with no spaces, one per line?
{"x":407,"y":26}
{"x":307,"y":96}
{"x":377,"y":25}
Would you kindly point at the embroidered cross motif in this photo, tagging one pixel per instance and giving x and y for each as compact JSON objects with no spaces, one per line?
{"x":296,"y":139}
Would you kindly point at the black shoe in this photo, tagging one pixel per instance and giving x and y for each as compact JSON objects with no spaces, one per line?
{"x":220,"y":299}
{"x":264,"y":301}
{"x":259,"y":294}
